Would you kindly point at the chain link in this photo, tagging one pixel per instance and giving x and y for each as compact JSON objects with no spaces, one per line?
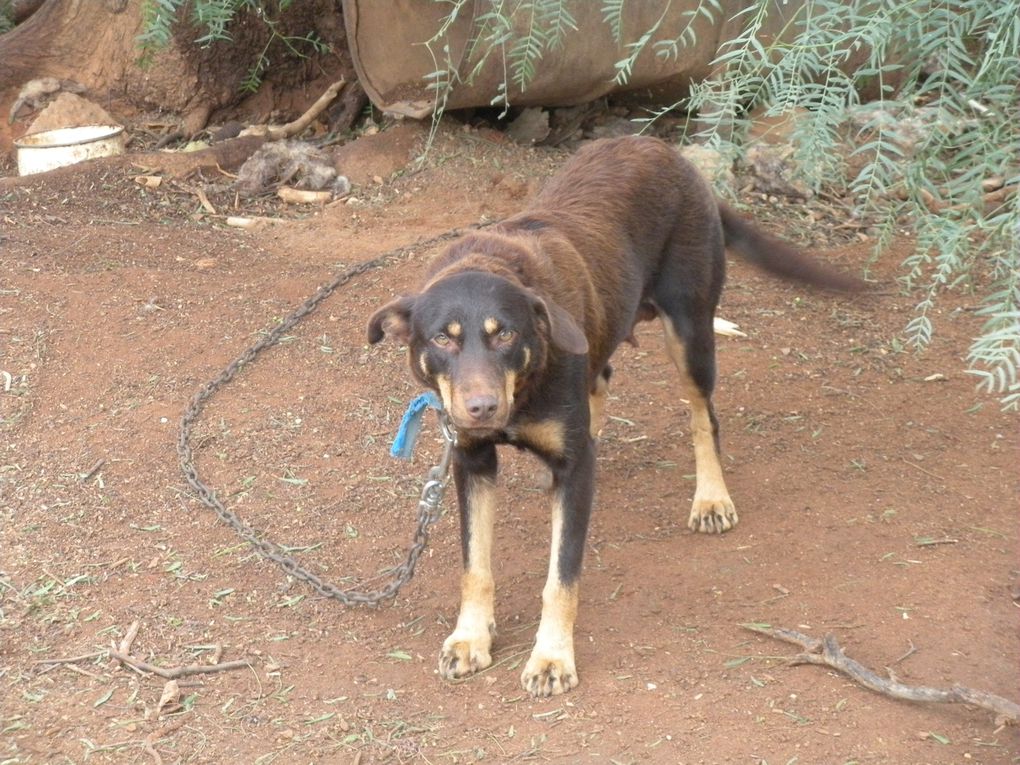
{"x":431,"y":495}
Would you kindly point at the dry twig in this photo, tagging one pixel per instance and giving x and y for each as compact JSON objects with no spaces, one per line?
{"x":172,"y":673}
{"x":827,"y":652}
{"x":93,"y":470}
{"x":129,"y":637}
{"x":203,"y":200}
{"x":276,"y":132}
{"x":79,"y":671}
{"x":72,"y":659}
{"x":148,"y":743}
{"x":122,"y":653}
{"x":303,"y":196}
{"x":151,"y":751}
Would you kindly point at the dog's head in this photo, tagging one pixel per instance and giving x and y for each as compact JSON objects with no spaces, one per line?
{"x":477,"y":339}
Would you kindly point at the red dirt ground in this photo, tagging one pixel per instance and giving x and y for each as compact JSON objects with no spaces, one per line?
{"x":876,"y":492}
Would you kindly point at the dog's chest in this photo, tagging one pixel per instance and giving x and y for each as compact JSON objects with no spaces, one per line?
{"x":546,"y":437}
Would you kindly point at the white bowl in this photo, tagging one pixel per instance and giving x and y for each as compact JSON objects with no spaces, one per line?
{"x":49,"y":149}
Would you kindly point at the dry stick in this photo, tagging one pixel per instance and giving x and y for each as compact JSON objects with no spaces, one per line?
{"x":203,"y":200}
{"x":93,"y":470}
{"x":923,"y":470}
{"x":907,"y":655}
{"x":303,"y":196}
{"x":148,"y":743}
{"x":172,"y":673}
{"x":995,"y":196}
{"x":129,"y":637}
{"x":151,"y":751}
{"x":72,"y":659}
{"x":827,"y":652}
{"x":276,"y":132}
{"x":79,"y":670}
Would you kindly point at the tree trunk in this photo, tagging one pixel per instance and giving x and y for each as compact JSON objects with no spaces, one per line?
{"x":22,"y":9}
{"x":94,"y":43}
{"x":89,"y":41}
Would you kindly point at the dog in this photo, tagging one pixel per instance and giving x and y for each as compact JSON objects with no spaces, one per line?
{"x":514,"y":327}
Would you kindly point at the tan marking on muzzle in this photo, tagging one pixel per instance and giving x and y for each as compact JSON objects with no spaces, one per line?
{"x":510,"y":388}
{"x":445,"y":391}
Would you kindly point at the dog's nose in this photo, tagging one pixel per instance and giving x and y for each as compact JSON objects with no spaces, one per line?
{"x":482,"y":407}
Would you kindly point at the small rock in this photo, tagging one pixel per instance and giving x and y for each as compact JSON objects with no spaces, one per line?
{"x":905,"y":126}
{"x":615,"y":127}
{"x":35,"y":94}
{"x":774,"y":170}
{"x":530,"y":127}
{"x":226,"y":131}
{"x":710,"y":164}
{"x":70,"y":110}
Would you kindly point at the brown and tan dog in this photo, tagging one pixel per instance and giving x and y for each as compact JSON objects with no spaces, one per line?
{"x":515,"y":326}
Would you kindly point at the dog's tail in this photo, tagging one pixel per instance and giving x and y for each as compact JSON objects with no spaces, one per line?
{"x":779,"y":258}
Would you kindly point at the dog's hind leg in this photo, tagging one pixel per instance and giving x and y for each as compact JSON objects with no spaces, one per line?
{"x":692,"y":350}
{"x":467,"y":649}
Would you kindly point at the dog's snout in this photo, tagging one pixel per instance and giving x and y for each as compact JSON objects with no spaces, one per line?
{"x":481,"y":407}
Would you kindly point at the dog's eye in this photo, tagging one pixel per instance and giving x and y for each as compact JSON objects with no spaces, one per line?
{"x":442,"y":340}
{"x":505,"y":336}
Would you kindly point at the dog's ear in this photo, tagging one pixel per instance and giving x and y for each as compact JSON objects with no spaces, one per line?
{"x":563,"y":329}
{"x":393,"y":319}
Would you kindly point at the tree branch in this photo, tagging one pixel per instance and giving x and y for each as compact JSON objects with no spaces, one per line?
{"x":827,"y":652}
{"x":172,"y":673}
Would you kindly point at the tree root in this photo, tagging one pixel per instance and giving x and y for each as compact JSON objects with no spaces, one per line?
{"x":277,"y":132}
{"x":827,"y":652}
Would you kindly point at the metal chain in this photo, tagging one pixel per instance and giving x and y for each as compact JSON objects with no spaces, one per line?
{"x":432,"y":493}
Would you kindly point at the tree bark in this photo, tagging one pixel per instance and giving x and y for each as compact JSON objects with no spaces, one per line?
{"x":22,"y":9}
{"x":88,"y":41}
{"x":94,"y":43}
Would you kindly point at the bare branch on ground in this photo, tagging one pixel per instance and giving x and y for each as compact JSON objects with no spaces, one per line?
{"x":172,"y":673}
{"x":827,"y":652}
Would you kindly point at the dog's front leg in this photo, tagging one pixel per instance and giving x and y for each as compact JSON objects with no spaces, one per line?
{"x":466,"y":650}
{"x":551,"y":669}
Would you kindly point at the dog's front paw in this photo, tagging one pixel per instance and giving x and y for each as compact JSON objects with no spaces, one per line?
{"x":548,"y":674}
{"x":712,"y":515}
{"x":464,"y":654}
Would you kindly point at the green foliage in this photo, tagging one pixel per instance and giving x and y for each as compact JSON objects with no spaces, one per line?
{"x":214,"y":18}
{"x":543,"y":26}
{"x":6,"y":16}
{"x":253,"y":81}
{"x":945,"y":116}
{"x":957,"y":69}
{"x":158,"y":17}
